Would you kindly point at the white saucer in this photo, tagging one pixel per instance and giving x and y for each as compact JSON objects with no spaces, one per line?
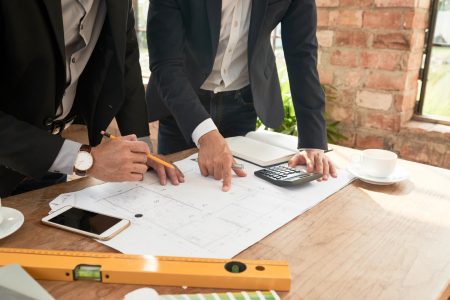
{"x":12,"y":220}
{"x":398,"y":175}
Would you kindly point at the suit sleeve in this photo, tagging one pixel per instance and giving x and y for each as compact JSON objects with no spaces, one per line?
{"x":165,"y":37}
{"x":25,"y":148}
{"x":298,"y":31}
{"x":132,"y":117}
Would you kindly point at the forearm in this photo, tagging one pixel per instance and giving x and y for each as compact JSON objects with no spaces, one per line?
{"x":165,"y":37}
{"x":300,"y":47}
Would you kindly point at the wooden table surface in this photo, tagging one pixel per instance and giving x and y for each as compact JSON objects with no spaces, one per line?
{"x":364,"y":242}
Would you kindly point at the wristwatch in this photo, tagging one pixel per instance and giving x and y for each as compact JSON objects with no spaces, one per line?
{"x":84,"y":161}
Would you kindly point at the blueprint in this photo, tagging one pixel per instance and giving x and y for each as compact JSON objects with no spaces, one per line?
{"x":197,"y":219}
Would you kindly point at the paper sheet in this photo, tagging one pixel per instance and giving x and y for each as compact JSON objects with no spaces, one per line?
{"x":197,"y":219}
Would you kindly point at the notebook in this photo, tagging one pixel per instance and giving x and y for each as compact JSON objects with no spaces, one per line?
{"x":263,"y":148}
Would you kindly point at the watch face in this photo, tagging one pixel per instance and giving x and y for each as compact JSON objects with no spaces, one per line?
{"x":84,"y":161}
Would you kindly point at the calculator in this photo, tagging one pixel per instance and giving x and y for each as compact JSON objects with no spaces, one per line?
{"x":285,"y":176}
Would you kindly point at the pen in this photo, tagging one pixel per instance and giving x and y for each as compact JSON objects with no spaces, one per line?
{"x":154,"y":158}
{"x":234,"y":166}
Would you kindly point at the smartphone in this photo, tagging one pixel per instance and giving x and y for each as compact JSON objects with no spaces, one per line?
{"x":88,"y":223}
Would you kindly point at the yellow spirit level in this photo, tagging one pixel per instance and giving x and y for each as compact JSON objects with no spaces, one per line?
{"x":150,"y":270}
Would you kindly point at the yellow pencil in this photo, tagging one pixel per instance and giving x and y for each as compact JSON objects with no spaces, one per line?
{"x":152,"y":157}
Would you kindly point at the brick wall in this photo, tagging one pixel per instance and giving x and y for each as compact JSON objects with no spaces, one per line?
{"x":371,"y":51}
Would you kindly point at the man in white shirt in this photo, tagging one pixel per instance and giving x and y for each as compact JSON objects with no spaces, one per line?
{"x":213,"y":72}
{"x":63,"y":61}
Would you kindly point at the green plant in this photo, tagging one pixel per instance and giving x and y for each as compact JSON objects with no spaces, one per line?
{"x":289,"y":125}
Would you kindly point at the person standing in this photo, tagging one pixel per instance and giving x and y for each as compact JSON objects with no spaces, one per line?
{"x":213,"y":72}
{"x":61,"y":62}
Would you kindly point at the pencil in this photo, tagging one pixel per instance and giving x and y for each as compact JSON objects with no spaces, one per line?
{"x":152,"y":157}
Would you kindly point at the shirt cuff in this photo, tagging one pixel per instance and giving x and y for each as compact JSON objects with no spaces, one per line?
{"x":66,"y":158}
{"x":202,"y":129}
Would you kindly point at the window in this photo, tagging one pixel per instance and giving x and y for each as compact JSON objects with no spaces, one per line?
{"x":434,"y":99}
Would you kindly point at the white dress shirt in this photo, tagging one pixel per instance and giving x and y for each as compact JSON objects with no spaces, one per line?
{"x":83,"y":21}
{"x":230,"y":69}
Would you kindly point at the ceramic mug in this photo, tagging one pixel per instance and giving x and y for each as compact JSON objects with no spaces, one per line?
{"x":378,"y":162}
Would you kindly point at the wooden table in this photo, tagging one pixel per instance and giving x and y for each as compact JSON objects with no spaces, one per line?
{"x":364,"y":242}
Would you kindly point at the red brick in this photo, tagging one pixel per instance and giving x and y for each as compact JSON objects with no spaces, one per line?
{"x":424,"y":4}
{"x":405,"y":116}
{"x":384,"y":60}
{"x":322,"y":17}
{"x":347,"y":58}
{"x":397,"y":40}
{"x":346,"y":97}
{"x":417,"y":40}
{"x":378,"y":120}
{"x":420,"y":151}
{"x":325,"y":38}
{"x":405,"y":101}
{"x":339,"y":113}
{"x":436,"y":132}
{"x":369,"y":141}
{"x":349,"y":132}
{"x":356,"y":3}
{"x":351,"y":78}
{"x":412,"y":78}
{"x":349,"y":18}
{"x":326,"y":75}
{"x":388,"y":81}
{"x":414,"y":61}
{"x":374,"y":100}
{"x":446,"y":163}
{"x":395,"y":3}
{"x":351,"y":39}
{"x":382,"y":19}
{"x":416,"y":20}
{"x":327,"y":3}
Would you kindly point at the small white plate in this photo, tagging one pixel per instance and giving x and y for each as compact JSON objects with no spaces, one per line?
{"x":398,"y":175}
{"x":12,"y":220}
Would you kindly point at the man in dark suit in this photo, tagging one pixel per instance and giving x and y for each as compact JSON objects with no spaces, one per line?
{"x":62,"y":61}
{"x":213,"y":71}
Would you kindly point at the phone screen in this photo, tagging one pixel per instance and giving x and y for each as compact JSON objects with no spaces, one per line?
{"x":85,"y":220}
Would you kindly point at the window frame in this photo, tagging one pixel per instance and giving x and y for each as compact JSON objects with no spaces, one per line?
{"x":424,"y":71}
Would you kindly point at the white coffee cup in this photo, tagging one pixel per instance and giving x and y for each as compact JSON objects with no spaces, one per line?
{"x":1,"y":213}
{"x":378,"y":162}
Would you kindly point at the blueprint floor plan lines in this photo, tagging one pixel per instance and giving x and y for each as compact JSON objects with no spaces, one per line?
{"x":197,"y":219}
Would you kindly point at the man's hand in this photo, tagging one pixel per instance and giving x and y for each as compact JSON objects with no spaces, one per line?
{"x":120,"y":160}
{"x":175,"y":175}
{"x":215,"y":159}
{"x":315,"y":161}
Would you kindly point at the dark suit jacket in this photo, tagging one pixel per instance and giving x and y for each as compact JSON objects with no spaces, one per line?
{"x":183,"y":37}
{"x":32,"y":83}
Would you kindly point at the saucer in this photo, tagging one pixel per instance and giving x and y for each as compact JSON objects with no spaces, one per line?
{"x":398,"y":175}
{"x":12,"y":220}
